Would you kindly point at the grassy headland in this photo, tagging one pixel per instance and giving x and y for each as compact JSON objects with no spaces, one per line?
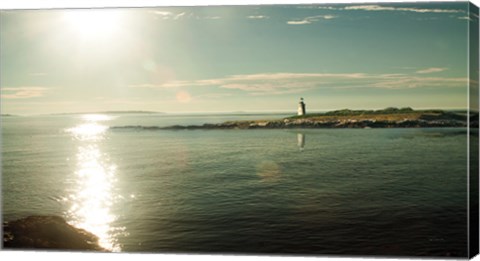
{"x":386,"y":118}
{"x":388,"y":114}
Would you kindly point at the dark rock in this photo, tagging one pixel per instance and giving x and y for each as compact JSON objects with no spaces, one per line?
{"x":47,"y":232}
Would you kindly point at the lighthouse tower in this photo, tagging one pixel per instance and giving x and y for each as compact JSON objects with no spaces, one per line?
{"x":301,"y":107}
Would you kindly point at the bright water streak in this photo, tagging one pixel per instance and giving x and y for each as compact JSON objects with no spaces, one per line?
{"x":92,"y":194}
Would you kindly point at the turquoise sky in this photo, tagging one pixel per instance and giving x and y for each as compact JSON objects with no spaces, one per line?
{"x":235,"y":58}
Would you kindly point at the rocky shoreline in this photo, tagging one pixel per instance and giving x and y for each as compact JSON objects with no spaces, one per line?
{"x":307,"y":123}
{"x":393,"y":118}
{"x":350,"y":119}
{"x":48,"y":233}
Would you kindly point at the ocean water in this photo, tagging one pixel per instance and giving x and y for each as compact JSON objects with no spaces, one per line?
{"x":317,"y":191}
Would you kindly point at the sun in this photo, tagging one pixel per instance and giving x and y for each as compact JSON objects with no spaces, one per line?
{"x":94,"y":24}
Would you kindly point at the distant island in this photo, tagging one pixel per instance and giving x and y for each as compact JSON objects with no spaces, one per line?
{"x":110,"y":112}
{"x":386,"y":118}
{"x":130,"y":112}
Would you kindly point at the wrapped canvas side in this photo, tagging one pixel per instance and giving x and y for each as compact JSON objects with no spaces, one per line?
{"x":473,"y":146}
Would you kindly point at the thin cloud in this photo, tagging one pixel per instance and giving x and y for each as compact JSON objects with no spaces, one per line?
{"x":404,"y":9}
{"x":314,"y":6}
{"x":22,"y":92}
{"x":406,"y":68}
{"x":465,"y":18}
{"x":258,"y":17}
{"x":385,"y":8}
{"x":161,"y":13}
{"x":280,"y":83}
{"x":327,"y":8}
{"x":213,"y":96}
{"x":285,"y":87}
{"x":166,"y":15}
{"x":210,"y":17}
{"x":179,"y":16}
{"x":172,"y":84}
{"x":431,"y":70}
{"x":420,"y":82}
{"x":288,"y":83}
{"x":299,"y":22}
{"x":311,"y":19}
{"x":328,"y":17}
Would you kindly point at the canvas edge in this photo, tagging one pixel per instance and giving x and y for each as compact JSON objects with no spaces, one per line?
{"x":473,"y":149}
{"x":473,"y":109}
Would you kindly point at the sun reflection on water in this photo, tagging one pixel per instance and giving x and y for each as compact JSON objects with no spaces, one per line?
{"x":93,"y":194}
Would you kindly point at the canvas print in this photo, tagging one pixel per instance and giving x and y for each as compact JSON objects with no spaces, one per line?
{"x":304,"y":129}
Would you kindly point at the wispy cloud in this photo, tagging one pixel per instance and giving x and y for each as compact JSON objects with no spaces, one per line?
{"x":404,"y":9}
{"x":465,"y":18}
{"x":166,"y":15}
{"x":311,"y":19}
{"x":328,"y":17}
{"x":179,"y":16}
{"x":258,"y":17}
{"x":209,"y":17}
{"x":419,"y":82}
{"x":213,"y":96}
{"x":431,"y":70}
{"x":327,"y":7}
{"x":287,"y":83}
{"x":162,"y":14}
{"x":370,"y":7}
{"x":405,"y":68}
{"x":147,"y":86}
{"x":282,"y":83}
{"x":22,"y":92}
{"x":299,"y":22}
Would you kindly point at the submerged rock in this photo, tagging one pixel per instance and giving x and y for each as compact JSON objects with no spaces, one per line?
{"x":47,"y":232}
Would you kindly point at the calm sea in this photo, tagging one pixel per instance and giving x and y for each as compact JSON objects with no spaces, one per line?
{"x":317,"y":191}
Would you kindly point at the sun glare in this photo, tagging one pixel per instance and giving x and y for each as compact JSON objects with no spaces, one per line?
{"x":91,"y":24}
{"x":96,"y":117}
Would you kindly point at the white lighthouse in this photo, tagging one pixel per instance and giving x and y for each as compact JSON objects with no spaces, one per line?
{"x":301,"y":108}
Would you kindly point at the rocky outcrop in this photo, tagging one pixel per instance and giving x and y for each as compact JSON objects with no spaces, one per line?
{"x":388,"y":118}
{"x":316,"y":123}
{"x":47,"y":232}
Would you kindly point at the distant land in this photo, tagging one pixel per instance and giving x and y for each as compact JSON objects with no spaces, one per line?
{"x":386,"y":118}
{"x":95,"y":112}
{"x":109,"y":112}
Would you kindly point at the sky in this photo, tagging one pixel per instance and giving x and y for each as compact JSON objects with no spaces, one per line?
{"x":235,"y":58}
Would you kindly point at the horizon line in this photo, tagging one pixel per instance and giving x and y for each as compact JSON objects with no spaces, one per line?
{"x":224,"y":112}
